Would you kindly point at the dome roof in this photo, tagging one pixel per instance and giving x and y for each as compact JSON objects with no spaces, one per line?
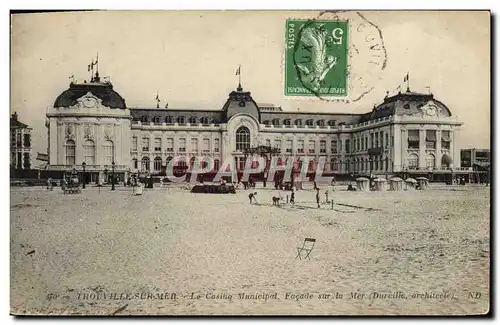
{"x":406,"y":103}
{"x":240,"y":101}
{"x":103,"y":91}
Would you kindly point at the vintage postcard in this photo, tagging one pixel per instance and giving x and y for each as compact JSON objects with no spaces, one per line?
{"x":250,"y":163}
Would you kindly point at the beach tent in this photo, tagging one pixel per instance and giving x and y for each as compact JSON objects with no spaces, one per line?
{"x":362,"y":183}
{"x":410,"y":183}
{"x":423,"y":182}
{"x":395,"y":184}
{"x":379,"y":184}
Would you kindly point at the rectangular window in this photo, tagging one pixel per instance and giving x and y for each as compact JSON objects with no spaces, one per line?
{"x":387,"y":139}
{"x":289,"y":144}
{"x":430,"y":139}
{"x":145,"y":144}
{"x":312,"y":146}
{"x":347,"y":146}
{"x":413,"y":139}
{"x":19,"y":143}
{"x":322,"y":146}
{"x":134,"y":143}
{"x":170,"y":144}
{"x":158,"y":144}
{"x":206,"y":145}
{"x":382,"y":139}
{"x":216,"y":145}
{"x":300,"y":146}
{"x":20,"y":160}
{"x":194,"y":144}
{"x":277,"y":143}
{"x":333,"y":145}
{"x":27,"y":140}
{"x":182,"y":145}
{"x":27,"y":163}
{"x":445,"y":140}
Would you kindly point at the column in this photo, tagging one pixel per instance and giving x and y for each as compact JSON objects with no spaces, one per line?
{"x":437,"y":162}
{"x":403,"y":154}
{"x":454,"y":149}
{"x":421,"y":149}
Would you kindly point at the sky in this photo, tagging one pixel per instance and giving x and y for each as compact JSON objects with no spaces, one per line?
{"x":190,"y":58}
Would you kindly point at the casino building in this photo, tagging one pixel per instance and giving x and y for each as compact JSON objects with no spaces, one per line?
{"x":408,"y":133}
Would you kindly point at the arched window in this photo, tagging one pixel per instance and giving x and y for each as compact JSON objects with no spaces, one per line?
{"x":204,"y":120}
{"x":181,"y":120}
{"x":169,"y":119}
{"x":169,"y":158}
{"x":191,"y":162}
{"x":109,"y":153}
{"x":331,"y":123}
{"x":157,"y":164}
{"x":430,"y":161}
{"x":298,"y":122}
{"x":156,"y":120}
{"x":276,"y":121}
{"x":134,"y":163}
{"x":89,"y":148}
{"x":216,"y":165}
{"x":70,"y":152}
{"x":309,"y":122}
{"x":144,"y":119}
{"x":215,"y":121}
{"x":321,"y":123}
{"x":266,"y":122}
{"x":192,"y":120}
{"x":242,"y":138}
{"x":412,"y":161}
{"x":287,"y":122}
{"x":362,"y":165}
{"x":145,"y":164}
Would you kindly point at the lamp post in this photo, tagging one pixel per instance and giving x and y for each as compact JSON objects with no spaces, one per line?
{"x":83,"y":176}
{"x":113,"y":175}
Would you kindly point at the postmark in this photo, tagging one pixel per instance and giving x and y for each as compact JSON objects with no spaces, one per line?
{"x":334,"y":56}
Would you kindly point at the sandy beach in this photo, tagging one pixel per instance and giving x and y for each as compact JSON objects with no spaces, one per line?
{"x":171,"y":252}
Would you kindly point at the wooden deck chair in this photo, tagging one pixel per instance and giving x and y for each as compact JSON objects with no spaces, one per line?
{"x":307,"y":246}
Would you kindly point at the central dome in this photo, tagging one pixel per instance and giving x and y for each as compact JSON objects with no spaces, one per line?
{"x":103,"y":91}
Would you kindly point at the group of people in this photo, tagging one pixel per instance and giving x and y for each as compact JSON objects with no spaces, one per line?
{"x":276,"y":199}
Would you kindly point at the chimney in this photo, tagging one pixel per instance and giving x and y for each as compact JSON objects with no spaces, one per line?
{"x":14,"y":116}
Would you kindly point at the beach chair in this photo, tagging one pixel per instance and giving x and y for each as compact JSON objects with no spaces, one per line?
{"x":307,"y":246}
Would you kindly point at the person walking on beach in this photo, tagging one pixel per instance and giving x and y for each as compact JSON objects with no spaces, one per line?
{"x":326,"y":194}
{"x":292,"y":197}
{"x":317,"y":196}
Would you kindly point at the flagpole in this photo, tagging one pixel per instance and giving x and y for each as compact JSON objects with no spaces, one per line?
{"x":97,"y":63}
{"x":239,"y":77}
{"x":408,"y":81}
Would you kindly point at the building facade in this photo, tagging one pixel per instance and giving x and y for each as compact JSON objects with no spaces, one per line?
{"x":20,"y":144}
{"x":90,"y":122}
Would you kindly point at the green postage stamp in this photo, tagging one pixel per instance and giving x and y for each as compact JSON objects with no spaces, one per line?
{"x":316,"y":58}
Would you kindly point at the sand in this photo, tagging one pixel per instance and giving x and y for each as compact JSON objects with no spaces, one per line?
{"x":110,"y":252}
